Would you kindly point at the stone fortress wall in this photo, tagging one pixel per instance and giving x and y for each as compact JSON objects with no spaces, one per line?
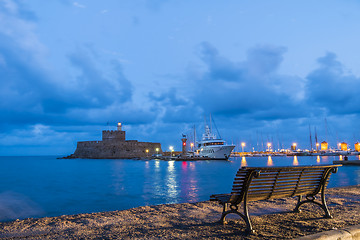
{"x":114,"y":145}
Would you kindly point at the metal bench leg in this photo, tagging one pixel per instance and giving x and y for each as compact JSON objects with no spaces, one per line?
{"x":324,"y":206}
{"x":249,"y":228}
{"x":311,"y":199}
{"x":223,"y":213}
{"x":245,"y":216}
{"x":297,"y":208}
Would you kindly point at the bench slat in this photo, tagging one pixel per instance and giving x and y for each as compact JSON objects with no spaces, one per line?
{"x":285,"y":189}
{"x":283,"y":184}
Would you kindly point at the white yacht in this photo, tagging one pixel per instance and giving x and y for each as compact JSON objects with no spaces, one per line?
{"x":212,"y":147}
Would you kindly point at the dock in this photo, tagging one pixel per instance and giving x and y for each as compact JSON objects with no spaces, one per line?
{"x":348,"y":162}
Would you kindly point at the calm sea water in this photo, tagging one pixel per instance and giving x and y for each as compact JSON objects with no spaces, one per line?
{"x":46,"y":186}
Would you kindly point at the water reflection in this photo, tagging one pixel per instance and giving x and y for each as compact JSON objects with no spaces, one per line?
{"x":340,"y":157}
{"x":188,"y":182}
{"x":157,"y":184}
{"x":357,"y":175}
{"x":243,"y":162}
{"x":171,"y":185}
{"x":157,"y":164}
{"x":318,"y":159}
{"x":270,"y":161}
{"x":118,"y":178}
{"x":295,"y":162}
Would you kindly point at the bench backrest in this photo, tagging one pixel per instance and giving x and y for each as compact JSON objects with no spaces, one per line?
{"x":278,"y":182}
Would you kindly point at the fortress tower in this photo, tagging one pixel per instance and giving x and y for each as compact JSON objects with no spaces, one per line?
{"x":116,"y":135}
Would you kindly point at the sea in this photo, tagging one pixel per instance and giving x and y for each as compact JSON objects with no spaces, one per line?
{"x":45,"y":186}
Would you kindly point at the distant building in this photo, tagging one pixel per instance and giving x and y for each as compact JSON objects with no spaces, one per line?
{"x":324,"y":146}
{"x":343,"y":146}
{"x":357,"y":147}
{"x":114,"y":145}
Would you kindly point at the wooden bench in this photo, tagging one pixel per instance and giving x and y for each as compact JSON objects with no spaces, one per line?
{"x":263,"y":183}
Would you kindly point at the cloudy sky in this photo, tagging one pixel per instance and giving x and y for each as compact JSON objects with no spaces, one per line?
{"x":267,"y":71}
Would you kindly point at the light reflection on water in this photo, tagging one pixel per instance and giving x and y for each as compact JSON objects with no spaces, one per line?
{"x":295,"y":162}
{"x":70,"y":186}
{"x":171,"y":184}
{"x":243,"y":162}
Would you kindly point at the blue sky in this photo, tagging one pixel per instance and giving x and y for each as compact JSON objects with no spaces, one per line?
{"x":265,"y":70}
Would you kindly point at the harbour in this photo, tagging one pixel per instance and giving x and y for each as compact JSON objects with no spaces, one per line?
{"x":55,"y":187}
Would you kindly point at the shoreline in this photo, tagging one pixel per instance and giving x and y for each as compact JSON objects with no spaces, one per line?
{"x":272,"y":219}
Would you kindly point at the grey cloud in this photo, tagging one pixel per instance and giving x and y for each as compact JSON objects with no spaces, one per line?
{"x":247,"y":88}
{"x":31,"y":95}
{"x":264,"y":59}
{"x":173,"y":108}
{"x":329,"y":88}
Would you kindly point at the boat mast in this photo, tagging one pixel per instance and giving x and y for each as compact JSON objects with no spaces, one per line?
{"x":311,"y":148}
{"x":194,"y":135}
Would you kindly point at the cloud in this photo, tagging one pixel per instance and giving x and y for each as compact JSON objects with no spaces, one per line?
{"x":94,"y":90}
{"x":76,"y":4}
{"x":251,"y":87}
{"x":171,"y":107}
{"x":330,"y":89}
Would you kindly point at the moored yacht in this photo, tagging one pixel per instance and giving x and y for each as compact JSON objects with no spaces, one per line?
{"x":212,"y":147}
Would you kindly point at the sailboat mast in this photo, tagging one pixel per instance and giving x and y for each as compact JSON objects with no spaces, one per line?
{"x":316,"y":141}
{"x":311,"y":147}
{"x":194,"y":134}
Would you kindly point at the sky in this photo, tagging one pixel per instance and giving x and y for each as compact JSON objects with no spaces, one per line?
{"x":266,"y":71}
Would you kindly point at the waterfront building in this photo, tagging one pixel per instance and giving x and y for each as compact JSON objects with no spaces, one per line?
{"x":343,"y":146}
{"x":324,"y":146}
{"x":357,"y":147}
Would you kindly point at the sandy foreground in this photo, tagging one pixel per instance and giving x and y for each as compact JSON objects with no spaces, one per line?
{"x":271,"y":219}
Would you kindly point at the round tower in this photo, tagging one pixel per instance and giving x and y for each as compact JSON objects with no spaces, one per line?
{"x":324,"y":146}
{"x":357,"y":147}
{"x":344,"y":146}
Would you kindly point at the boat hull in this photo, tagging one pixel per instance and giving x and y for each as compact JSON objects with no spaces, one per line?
{"x":216,"y":152}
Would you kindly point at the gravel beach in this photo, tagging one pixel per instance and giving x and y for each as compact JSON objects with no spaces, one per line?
{"x":271,"y":219}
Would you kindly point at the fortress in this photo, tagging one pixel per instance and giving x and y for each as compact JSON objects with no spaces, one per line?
{"x":114,"y":145}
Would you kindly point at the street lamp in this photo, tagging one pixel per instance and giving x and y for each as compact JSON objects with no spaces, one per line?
{"x":242,"y":146}
{"x":147,"y":152}
{"x":192,"y":146}
{"x":269,"y":146}
{"x":172,"y":150}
